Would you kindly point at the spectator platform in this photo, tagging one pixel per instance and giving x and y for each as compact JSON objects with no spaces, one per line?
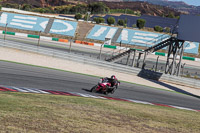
{"x":101,"y":32}
{"x":191,"y":47}
{"x":24,"y":22}
{"x":63,"y":27}
{"x":140,"y":38}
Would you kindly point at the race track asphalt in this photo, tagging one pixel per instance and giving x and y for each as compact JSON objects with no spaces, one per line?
{"x":20,"y":75}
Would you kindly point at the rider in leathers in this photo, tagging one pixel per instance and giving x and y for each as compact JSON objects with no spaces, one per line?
{"x":114,"y":82}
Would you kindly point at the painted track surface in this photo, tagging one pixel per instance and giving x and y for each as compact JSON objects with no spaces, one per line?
{"x":47,"y":79}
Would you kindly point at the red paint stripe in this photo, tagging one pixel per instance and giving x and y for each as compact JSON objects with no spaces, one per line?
{"x":162,"y":105}
{"x":7,"y":89}
{"x":60,"y":93}
{"x":112,"y":98}
{"x":53,"y":92}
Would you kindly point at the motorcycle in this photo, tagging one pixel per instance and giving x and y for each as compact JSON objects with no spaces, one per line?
{"x":104,"y":87}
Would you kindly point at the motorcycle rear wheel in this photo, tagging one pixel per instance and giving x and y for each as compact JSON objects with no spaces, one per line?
{"x":93,"y":89}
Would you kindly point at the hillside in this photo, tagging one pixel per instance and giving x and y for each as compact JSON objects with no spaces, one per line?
{"x":177,"y":5}
{"x":143,"y":7}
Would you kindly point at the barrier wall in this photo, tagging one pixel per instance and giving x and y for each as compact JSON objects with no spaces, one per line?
{"x":24,"y":22}
{"x":63,"y":27}
{"x":101,"y":32}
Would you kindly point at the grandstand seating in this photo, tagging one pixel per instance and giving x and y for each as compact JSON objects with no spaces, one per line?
{"x":101,"y":32}
{"x":191,"y":47}
{"x":140,"y":38}
{"x":151,"y":21}
{"x":24,"y":22}
{"x":63,"y":27}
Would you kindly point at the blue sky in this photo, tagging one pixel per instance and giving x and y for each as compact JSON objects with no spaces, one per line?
{"x":190,"y":2}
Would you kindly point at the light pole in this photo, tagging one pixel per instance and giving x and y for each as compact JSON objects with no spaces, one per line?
{"x":88,"y":14}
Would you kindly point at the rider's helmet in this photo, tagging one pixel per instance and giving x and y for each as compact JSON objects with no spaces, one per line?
{"x":113,"y":77}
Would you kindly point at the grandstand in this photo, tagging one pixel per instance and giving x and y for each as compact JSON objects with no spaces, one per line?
{"x":98,"y":32}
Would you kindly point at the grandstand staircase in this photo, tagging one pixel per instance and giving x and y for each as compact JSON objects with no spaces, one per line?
{"x":49,"y":25}
{"x":160,"y":45}
{"x":117,"y":34}
{"x":83,"y":29}
{"x":120,"y":56}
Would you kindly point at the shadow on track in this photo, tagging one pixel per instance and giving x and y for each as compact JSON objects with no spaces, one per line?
{"x":88,"y":90}
{"x":155,"y":76}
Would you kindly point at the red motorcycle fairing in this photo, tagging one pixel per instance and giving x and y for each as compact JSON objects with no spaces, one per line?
{"x":102,"y":86}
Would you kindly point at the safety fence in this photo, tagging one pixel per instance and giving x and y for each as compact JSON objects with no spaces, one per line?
{"x":86,"y":43}
{"x":99,"y":63}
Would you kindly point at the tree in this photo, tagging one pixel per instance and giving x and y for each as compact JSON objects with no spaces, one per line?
{"x":0,"y":7}
{"x":98,"y":8}
{"x":111,"y":20}
{"x":26,"y":7}
{"x":141,"y":23}
{"x":78,"y":9}
{"x":78,"y":16}
{"x":158,"y":28}
{"x":171,"y":15}
{"x":120,"y":22}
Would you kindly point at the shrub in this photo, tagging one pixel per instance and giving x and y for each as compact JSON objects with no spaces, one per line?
{"x":78,"y":16}
{"x":141,"y":23}
{"x":158,"y":28}
{"x":111,"y":20}
{"x":134,"y":25}
{"x":99,"y":20}
{"x":120,"y":22}
{"x":167,"y":29}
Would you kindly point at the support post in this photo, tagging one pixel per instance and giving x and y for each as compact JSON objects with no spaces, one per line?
{"x":156,"y":64}
{"x":138,"y":60}
{"x":144,"y":60}
{"x":39,"y":39}
{"x":5,"y":31}
{"x":129,"y":54}
{"x":100,"y":52}
{"x":180,"y":60}
{"x":134,"y":56}
{"x":70,"y":46}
